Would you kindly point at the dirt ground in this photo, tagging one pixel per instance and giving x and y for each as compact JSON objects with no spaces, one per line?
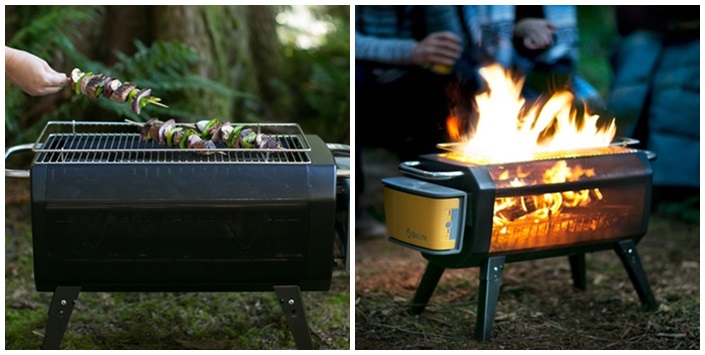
{"x":538,"y":308}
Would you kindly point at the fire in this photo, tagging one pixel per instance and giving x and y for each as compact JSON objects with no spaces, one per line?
{"x":453,"y":126}
{"x":509,"y":129}
{"x":538,"y":208}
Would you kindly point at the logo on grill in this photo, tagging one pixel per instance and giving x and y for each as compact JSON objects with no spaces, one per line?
{"x":411,"y":234}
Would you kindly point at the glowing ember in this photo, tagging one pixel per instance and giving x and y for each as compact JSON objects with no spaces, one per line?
{"x":508,"y":130}
{"x":537,"y":208}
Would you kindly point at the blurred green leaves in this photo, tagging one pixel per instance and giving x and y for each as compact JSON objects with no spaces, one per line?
{"x":74,"y":37}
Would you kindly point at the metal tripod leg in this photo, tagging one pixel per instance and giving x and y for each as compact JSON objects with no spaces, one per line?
{"x":626,"y":249}
{"x":428,"y":284}
{"x":577,"y":270}
{"x":490,"y":280}
{"x":293,"y":307}
{"x":59,"y":314}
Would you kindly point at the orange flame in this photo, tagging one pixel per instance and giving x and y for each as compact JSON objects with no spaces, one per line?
{"x":508,"y":130}
{"x":540,"y":207}
{"x":453,"y":126}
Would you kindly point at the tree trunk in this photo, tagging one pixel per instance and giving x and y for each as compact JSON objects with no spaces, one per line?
{"x":267,"y":57}
{"x":211,"y":30}
{"x":122,"y":25}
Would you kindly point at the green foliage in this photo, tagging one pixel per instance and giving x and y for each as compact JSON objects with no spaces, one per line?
{"x":165,"y":67}
{"x":42,"y":31}
{"x":314,"y":85}
{"x":325,"y":87}
{"x":597,"y":30}
{"x":43,"y":28}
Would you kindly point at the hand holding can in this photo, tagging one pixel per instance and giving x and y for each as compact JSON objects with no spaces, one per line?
{"x":438,"y":50}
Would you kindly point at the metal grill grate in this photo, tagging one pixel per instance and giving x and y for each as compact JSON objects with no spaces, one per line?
{"x":564,"y":229}
{"x":456,"y":151}
{"x":119,"y":143}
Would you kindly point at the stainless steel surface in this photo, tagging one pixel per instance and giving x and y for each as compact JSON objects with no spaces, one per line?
{"x":16,"y":173}
{"x":341,"y":152}
{"x":456,"y":151}
{"x":409,"y":168}
{"x":459,"y":147}
{"x":624,"y":141}
{"x":651,"y":155}
{"x":119,"y":143}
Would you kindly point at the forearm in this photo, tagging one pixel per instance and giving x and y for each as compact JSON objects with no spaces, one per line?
{"x":384,"y":50}
{"x":32,"y":74}
{"x":11,"y":62}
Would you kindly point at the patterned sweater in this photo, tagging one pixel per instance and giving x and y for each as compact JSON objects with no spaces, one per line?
{"x":388,"y":33}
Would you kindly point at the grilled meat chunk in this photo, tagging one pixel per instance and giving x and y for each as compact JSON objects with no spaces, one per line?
{"x":96,"y":85}
{"x":207,"y":135}
{"x":121,"y":94}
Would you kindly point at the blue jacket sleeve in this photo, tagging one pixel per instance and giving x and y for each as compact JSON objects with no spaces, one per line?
{"x":384,"y":50}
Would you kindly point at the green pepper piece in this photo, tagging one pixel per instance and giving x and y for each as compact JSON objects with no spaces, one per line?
{"x":101,"y":87}
{"x":170,"y":136}
{"x":184,"y":139}
{"x":209,"y":125}
{"x":249,"y":140}
{"x":77,"y":88}
{"x":234,"y":135}
{"x":133,"y":93}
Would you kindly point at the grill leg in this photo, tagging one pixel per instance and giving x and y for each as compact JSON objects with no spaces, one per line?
{"x":59,"y":313}
{"x":428,"y":284}
{"x":577,"y":270}
{"x":490,"y":280}
{"x":630,"y":258}
{"x":293,"y":307}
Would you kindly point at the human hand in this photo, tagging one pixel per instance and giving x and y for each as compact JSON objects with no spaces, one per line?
{"x":438,"y":48}
{"x":32,"y":74}
{"x":536,"y":33}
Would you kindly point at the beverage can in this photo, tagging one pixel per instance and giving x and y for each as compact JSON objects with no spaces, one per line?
{"x":442,"y":69}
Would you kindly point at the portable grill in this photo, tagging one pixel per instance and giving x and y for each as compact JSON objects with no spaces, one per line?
{"x":461,"y":211}
{"x":113,"y":213}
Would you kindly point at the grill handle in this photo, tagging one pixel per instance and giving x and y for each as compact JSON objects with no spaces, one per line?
{"x":410,"y":168}
{"x":14,"y":173}
{"x":340,"y":150}
{"x":650,"y":155}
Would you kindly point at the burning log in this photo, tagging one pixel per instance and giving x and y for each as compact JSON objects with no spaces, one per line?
{"x":517,"y":208}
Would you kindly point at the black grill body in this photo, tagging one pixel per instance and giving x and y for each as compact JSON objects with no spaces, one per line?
{"x":113,"y":213}
{"x":627,"y":174}
{"x":625,"y":179}
{"x":176,"y":227}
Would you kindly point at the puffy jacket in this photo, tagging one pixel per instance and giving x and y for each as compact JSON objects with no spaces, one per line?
{"x":656,"y":86}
